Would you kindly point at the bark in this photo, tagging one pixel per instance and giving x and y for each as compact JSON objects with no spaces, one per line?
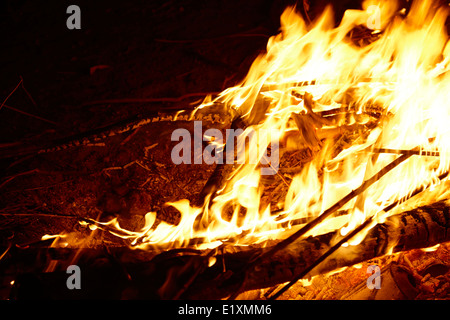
{"x":185,"y":273}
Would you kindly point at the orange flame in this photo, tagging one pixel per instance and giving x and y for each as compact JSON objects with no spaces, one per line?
{"x":312,"y":69}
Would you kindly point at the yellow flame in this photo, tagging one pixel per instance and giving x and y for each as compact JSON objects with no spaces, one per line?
{"x":309,"y":69}
{"x":431,"y":249}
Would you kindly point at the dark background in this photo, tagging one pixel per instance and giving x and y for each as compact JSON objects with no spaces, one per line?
{"x":148,"y":49}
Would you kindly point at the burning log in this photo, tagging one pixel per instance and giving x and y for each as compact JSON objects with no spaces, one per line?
{"x":211,"y":274}
{"x":418,"y":228}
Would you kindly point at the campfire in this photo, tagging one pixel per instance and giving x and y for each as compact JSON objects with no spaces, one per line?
{"x":327,"y":164}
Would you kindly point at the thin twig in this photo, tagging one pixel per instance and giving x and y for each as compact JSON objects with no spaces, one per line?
{"x":10,"y":178}
{"x":10,"y":94}
{"x":130,"y":136}
{"x":28,"y":94}
{"x":333,"y":208}
{"x":6,"y":251}
{"x":276,"y":171}
{"x":29,"y":114}
{"x":38,"y":171}
{"x":414,"y":152}
{"x":40,"y":214}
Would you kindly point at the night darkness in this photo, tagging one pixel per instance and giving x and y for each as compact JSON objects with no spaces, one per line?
{"x":134,"y":41}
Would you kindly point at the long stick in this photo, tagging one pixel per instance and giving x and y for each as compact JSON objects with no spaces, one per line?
{"x":11,"y":93}
{"x":29,"y":114}
{"x":283,"y":244}
{"x":322,"y":258}
{"x":415,"y":152}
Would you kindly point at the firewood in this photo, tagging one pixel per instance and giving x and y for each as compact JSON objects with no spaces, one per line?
{"x":349,"y":236}
{"x":175,"y":273}
{"x":331,"y":210}
{"x":424,"y":153}
{"x":222,"y":170}
{"x":418,"y":228}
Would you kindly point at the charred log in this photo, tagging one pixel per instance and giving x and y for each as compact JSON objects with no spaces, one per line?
{"x":195,"y":274}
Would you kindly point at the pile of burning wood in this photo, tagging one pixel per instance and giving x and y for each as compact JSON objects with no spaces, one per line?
{"x":335,"y":163}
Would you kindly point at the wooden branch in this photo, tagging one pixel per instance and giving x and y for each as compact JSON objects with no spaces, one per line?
{"x":175,"y":273}
{"x":424,"y":153}
{"x":222,"y":171}
{"x":419,"y":228}
{"x":331,"y":210}
{"x":348,"y":237}
{"x":29,"y":114}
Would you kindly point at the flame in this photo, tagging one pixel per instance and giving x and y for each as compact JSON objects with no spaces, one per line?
{"x":432,"y":248}
{"x":307,"y":71}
